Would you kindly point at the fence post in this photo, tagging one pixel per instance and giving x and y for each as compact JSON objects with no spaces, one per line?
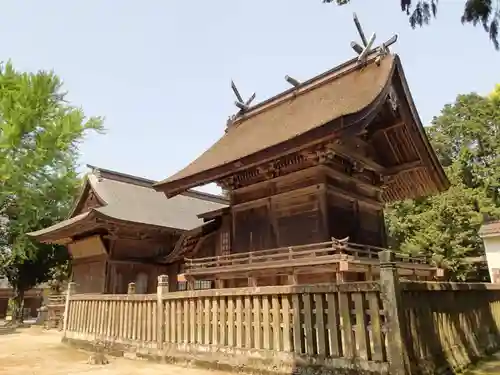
{"x":160,"y":321}
{"x":69,"y":292}
{"x":391,"y":298}
{"x":131,"y":288}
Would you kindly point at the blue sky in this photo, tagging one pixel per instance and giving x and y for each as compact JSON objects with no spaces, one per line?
{"x":159,"y":71}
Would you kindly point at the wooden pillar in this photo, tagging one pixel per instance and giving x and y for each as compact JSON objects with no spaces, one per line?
{"x":219,"y":284}
{"x":131,"y":288}
{"x":339,"y":277}
{"x":252,"y":281}
{"x":369,"y":274}
{"x":293,"y":279}
{"x":189,"y":283}
{"x":390,"y":294}
{"x":323,"y":204}
{"x":173,"y":272}
{"x":69,"y":292}
{"x":161,"y":289}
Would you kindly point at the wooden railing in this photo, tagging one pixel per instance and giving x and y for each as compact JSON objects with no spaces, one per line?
{"x":449,"y":325}
{"x":127,"y":318}
{"x":282,"y":319}
{"x":343,"y":322}
{"x":318,"y":253}
{"x":383,"y":327}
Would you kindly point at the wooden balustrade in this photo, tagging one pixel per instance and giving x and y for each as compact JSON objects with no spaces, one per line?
{"x":131,"y":318}
{"x":342,"y":320}
{"x":333,"y":320}
{"x":450,"y":325}
{"x":383,"y":327}
{"x":325,"y":252}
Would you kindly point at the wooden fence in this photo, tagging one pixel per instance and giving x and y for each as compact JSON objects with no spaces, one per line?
{"x":383,"y":327}
{"x":449,"y":325}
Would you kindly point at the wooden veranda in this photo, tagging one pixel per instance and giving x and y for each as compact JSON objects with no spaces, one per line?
{"x":332,"y":261}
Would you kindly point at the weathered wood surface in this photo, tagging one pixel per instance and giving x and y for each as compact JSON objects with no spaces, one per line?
{"x":379,"y":327}
{"x":343,"y":322}
{"x":448,"y":325}
{"x":296,"y":256}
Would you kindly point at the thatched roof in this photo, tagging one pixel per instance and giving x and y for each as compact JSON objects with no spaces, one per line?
{"x":323,"y":106}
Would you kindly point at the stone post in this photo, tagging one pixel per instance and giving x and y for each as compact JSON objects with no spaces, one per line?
{"x":161,"y":289}
{"x":131,"y":288}
{"x":390,"y":294}
{"x":69,"y":292}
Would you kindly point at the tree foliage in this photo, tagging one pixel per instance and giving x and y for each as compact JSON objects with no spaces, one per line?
{"x":476,"y":12}
{"x":466,"y":137}
{"x":39,"y":138}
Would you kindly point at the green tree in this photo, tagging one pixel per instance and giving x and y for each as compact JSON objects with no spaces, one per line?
{"x":466,"y":137}
{"x":495,"y":95}
{"x":476,"y":12}
{"x":39,"y":138}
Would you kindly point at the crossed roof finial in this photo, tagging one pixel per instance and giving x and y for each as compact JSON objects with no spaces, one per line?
{"x":366,"y":47}
{"x":240,"y":103}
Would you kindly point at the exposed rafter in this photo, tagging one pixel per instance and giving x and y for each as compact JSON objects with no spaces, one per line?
{"x":405,"y":167}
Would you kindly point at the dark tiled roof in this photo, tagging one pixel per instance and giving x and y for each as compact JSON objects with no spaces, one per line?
{"x":132,"y":199}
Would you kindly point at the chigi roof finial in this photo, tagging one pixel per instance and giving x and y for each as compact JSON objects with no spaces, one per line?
{"x":240,"y":103}
{"x":292,"y":81}
{"x":366,"y":47}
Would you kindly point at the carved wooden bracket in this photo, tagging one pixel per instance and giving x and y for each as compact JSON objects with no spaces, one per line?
{"x":318,"y":155}
{"x":227,"y":183}
{"x":393,"y":99}
{"x":268,"y":171}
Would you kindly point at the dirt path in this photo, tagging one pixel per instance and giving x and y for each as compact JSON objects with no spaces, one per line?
{"x":36,"y":352}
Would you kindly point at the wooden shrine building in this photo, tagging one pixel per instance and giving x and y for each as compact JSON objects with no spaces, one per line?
{"x":121,"y":229}
{"x":308,"y":173}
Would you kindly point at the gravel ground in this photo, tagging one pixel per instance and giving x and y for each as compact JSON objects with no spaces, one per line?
{"x":33,"y":351}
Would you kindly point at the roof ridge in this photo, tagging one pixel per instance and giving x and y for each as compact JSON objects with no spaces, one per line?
{"x":331,"y":74}
{"x":147,"y":183}
{"x":121,"y":177}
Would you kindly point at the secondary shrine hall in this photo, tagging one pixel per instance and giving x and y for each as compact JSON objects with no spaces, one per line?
{"x":307,"y":174}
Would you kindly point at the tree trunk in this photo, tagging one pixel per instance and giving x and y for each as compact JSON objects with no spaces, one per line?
{"x":17,"y":312}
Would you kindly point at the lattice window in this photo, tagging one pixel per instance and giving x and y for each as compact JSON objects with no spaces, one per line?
{"x":203,"y":284}
{"x":198,"y":285}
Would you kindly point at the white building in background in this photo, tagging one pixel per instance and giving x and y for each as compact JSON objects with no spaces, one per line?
{"x":4,"y":283}
{"x":490,"y":233}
